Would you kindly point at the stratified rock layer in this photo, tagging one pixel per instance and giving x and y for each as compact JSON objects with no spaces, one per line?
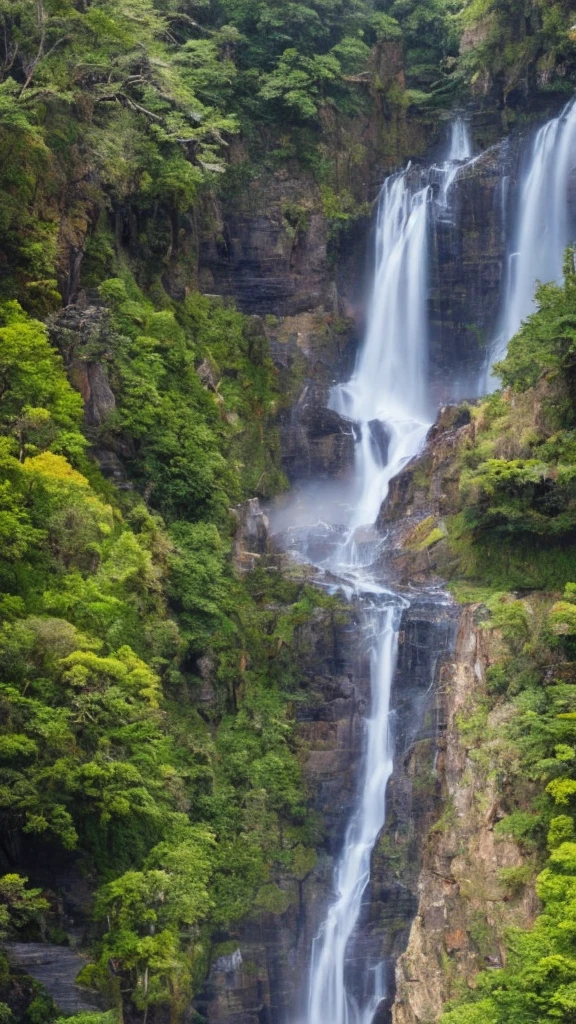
{"x":56,"y":968}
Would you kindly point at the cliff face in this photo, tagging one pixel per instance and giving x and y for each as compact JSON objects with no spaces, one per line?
{"x":464,"y":902}
{"x":468,"y":258}
{"x":464,"y":908}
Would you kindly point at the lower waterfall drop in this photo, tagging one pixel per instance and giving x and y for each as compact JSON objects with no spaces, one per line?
{"x":329,"y":998}
{"x":388,"y":402}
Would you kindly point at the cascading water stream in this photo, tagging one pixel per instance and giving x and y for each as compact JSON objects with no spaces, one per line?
{"x":543,"y":224}
{"x":387,"y":400}
{"x":389,"y":385}
{"x":329,"y":999}
{"x":387,"y":397}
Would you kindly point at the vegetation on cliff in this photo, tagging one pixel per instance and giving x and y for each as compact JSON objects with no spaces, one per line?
{"x":508,"y":540}
{"x":518,"y":50}
{"x":183,"y":819}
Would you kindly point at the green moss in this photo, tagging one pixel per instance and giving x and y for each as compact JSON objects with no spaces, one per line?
{"x":273,"y":900}
{"x":434,"y":537}
{"x":416,"y":539}
{"x":482,"y":934}
{"x":446,"y":820}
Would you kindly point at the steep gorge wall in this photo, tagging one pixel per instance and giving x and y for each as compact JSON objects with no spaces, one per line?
{"x":464,"y":907}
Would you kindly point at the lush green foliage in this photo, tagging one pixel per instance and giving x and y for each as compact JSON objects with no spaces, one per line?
{"x":187,"y":821}
{"x":517,"y":518}
{"x":196,"y":450}
{"x":518,"y":46}
{"x":536,"y":680}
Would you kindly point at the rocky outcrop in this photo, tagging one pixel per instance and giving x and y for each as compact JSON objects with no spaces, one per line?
{"x":420,"y":498}
{"x":81,"y":333}
{"x":318,"y":443}
{"x":56,"y":968}
{"x":464,"y":905}
{"x":311,"y":351}
{"x":251,"y":538}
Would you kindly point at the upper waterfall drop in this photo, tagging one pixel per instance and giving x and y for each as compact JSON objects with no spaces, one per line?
{"x":543,"y":228}
{"x":460,"y":141}
{"x":390,"y":383}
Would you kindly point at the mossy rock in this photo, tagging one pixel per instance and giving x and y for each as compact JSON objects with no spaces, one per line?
{"x":427,"y":533}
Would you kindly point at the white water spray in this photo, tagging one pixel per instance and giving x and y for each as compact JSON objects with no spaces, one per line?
{"x":389,"y":385}
{"x":460,"y":141}
{"x":387,"y":399}
{"x":543,"y":228}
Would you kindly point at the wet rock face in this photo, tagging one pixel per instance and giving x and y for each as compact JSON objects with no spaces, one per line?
{"x":311,"y":351}
{"x":468,"y":256}
{"x":270,"y":247}
{"x":318,"y":443}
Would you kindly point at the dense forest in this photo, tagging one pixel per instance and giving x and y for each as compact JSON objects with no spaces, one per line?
{"x":147,"y":681}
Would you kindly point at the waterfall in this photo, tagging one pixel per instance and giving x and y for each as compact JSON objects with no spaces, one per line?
{"x":389,"y":385}
{"x":387,"y":397}
{"x":387,"y":400}
{"x":329,"y":1000}
{"x":460,"y":141}
{"x":543,"y":224}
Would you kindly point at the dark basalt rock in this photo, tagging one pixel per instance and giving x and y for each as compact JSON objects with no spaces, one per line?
{"x":318,"y":443}
{"x":380,"y":437}
{"x":468,"y":256}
